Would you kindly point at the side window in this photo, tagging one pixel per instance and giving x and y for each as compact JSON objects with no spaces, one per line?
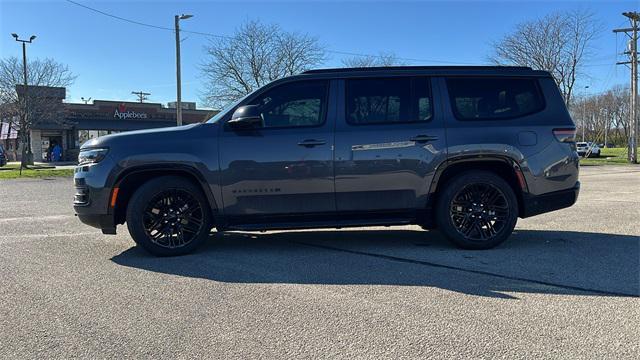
{"x":388,"y":100}
{"x":295,"y":104}
{"x":493,"y":98}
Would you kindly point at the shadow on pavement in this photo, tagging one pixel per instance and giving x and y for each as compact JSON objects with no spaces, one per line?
{"x":544,"y":262}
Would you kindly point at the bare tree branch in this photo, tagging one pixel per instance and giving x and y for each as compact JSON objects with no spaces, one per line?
{"x":558,"y":43}
{"x":382,"y":59}
{"x":254,"y":56}
{"x":37,"y":107}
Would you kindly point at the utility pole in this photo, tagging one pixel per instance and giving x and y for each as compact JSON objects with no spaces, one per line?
{"x":177,"y":19}
{"x":584,"y":111}
{"x":632,"y":33}
{"x":26,"y":145}
{"x":142,"y":96}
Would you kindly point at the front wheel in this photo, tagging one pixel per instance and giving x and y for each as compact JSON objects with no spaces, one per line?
{"x":169,"y":216}
{"x":477,"y":210}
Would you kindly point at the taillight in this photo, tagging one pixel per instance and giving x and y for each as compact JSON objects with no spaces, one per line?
{"x":567,"y":135}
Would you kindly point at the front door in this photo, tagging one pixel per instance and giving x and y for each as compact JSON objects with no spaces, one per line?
{"x":284,"y":168}
{"x":389,"y":139}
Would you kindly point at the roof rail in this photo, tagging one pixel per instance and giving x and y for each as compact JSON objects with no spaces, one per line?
{"x":417,"y":68}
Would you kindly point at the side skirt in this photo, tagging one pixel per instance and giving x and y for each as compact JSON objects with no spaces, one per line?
{"x":311,"y":221}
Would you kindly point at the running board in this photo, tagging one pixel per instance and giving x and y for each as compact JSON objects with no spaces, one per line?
{"x":319,"y":224}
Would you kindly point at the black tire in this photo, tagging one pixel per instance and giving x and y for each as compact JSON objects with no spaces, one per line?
{"x":465,"y":219}
{"x":169,"y":216}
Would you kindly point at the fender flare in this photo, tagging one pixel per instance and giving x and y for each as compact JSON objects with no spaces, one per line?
{"x":476,"y":158}
{"x":176,"y":167}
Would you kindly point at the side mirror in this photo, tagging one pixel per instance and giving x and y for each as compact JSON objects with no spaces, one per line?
{"x":246,"y":117}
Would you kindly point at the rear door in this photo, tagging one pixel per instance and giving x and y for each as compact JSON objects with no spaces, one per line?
{"x":389,"y":140}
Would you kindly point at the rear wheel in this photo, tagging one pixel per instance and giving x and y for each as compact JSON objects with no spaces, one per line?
{"x":169,"y":216}
{"x":477,"y":210}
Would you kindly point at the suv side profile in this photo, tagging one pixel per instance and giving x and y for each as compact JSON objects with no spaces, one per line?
{"x":466,"y":150}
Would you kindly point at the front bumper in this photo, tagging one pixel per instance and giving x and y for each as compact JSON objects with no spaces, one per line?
{"x":92,"y":194}
{"x":103,"y":222}
{"x":539,"y":204}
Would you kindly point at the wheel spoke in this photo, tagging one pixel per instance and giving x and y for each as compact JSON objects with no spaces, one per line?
{"x":173,"y":218}
{"x":479,"y":211}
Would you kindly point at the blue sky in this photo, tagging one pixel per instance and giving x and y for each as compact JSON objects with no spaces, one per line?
{"x":112,"y":58}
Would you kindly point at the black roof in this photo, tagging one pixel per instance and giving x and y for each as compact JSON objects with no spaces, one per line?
{"x":418,"y":68}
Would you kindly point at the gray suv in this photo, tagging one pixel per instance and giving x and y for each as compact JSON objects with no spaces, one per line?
{"x":466,"y":150}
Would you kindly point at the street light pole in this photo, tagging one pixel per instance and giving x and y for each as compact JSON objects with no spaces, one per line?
{"x":26,"y":148}
{"x":178,"y":79}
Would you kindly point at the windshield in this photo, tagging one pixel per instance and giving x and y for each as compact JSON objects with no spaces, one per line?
{"x":228,"y":107}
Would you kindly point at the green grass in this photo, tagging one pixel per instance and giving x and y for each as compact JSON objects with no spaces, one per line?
{"x":14,"y":173}
{"x":608,"y":156}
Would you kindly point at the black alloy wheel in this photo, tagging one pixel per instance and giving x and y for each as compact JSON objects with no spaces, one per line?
{"x":477,"y":210}
{"x":169,"y":216}
{"x":173,"y":218}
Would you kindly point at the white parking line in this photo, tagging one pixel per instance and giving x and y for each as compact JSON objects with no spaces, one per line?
{"x":49,"y":217}
{"x":48,"y":235}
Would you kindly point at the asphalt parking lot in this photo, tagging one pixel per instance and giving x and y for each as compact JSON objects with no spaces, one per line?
{"x":566,"y":285}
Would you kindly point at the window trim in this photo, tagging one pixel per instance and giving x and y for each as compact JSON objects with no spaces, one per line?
{"x":459,"y":117}
{"x":411,"y":78}
{"x":323,"y":111}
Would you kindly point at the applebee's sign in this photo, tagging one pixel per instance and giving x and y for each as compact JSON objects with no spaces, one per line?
{"x":122,"y":113}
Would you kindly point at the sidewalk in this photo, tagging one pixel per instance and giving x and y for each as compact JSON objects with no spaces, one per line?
{"x":47,"y":165}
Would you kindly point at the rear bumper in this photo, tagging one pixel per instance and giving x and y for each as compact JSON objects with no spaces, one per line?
{"x":539,"y":204}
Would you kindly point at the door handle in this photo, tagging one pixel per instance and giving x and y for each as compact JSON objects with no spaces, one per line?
{"x":423,"y":138}
{"x":311,"y":143}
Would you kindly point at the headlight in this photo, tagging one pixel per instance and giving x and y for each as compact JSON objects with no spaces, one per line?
{"x":91,"y":156}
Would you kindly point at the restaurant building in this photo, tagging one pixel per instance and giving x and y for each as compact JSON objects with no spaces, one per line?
{"x":81,"y":122}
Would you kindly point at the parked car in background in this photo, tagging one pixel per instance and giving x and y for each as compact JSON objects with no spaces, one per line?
{"x":465,"y":149}
{"x":588,"y":149}
{"x":3,"y":157}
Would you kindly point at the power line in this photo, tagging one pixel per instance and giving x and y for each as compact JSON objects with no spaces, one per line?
{"x":118,"y":17}
{"x":229,"y":37}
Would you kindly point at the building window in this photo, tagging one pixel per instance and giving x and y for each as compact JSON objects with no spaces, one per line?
{"x":86,"y":135}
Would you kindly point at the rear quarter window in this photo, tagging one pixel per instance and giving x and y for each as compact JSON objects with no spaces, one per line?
{"x":494,"y":98}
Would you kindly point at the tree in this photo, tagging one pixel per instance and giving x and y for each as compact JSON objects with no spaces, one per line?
{"x":558,"y":43}
{"x":380,"y":60}
{"x":36,"y":107}
{"x":607,"y":112}
{"x":254,"y":56}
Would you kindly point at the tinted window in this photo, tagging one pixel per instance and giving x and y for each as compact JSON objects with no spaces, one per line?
{"x":493,"y":98}
{"x":292,"y":105}
{"x":391,"y":100}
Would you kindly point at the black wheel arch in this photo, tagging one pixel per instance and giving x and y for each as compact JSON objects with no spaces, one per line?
{"x":129,"y":180}
{"x":504,"y":166}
